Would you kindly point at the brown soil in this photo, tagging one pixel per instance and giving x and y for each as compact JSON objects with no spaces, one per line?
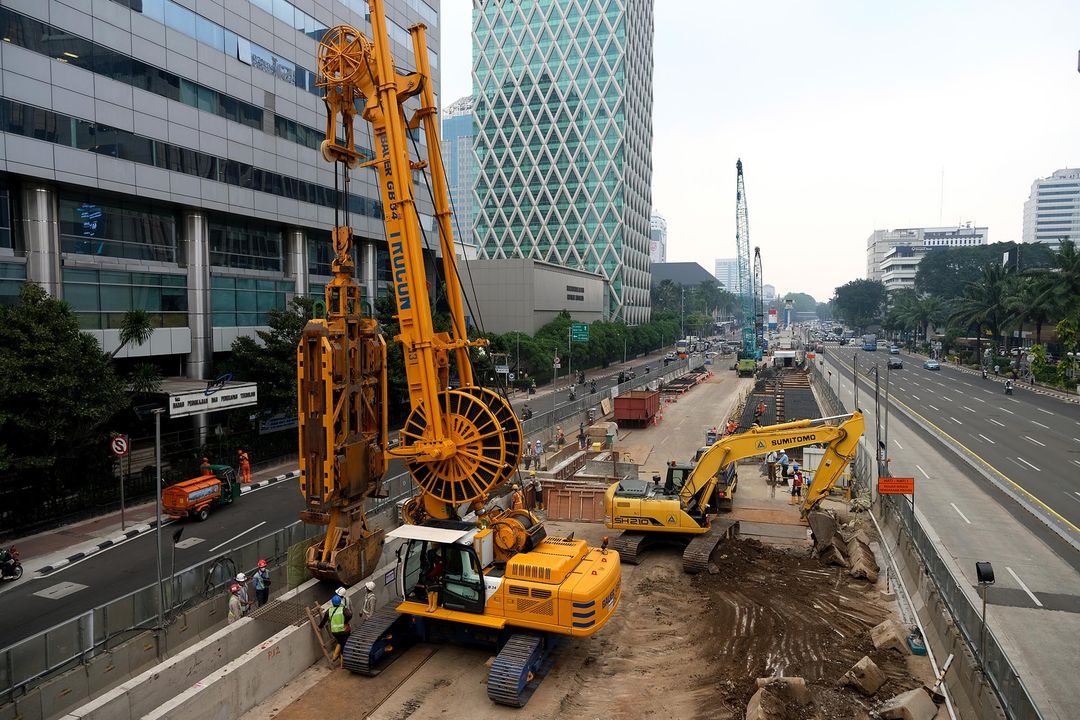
{"x":678,"y":647}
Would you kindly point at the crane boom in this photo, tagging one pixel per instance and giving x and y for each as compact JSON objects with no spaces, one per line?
{"x":746,"y":277}
{"x":759,"y":304}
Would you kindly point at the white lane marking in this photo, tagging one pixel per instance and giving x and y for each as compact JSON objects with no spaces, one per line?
{"x":987,"y":439}
{"x":1074,"y":496}
{"x":955,"y":420}
{"x":253,"y":527}
{"x":960,"y":513}
{"x":55,"y":592}
{"x":1001,"y":424}
{"x":1023,"y":586}
{"x":1045,"y":427}
{"x":1027,"y":463}
{"x":977,"y":399}
{"x":1077,"y":462}
{"x":946,"y":398}
{"x":916,"y":397}
{"x":933,"y":408}
{"x":1008,"y":411}
{"x":967,"y":408}
{"x":1045,"y":411}
{"x":1028,"y":437}
{"x":923,"y":472}
{"x":188,"y":542}
{"x":898,"y":443}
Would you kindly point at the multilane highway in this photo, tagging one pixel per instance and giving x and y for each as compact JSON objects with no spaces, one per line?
{"x":1032,"y":440}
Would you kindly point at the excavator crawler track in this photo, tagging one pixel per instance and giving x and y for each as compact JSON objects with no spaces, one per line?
{"x":697,"y":553}
{"x":378,"y":642}
{"x":628,"y":545}
{"x":518,"y":669}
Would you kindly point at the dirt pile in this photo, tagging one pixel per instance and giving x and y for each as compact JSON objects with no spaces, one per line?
{"x":698,"y":643}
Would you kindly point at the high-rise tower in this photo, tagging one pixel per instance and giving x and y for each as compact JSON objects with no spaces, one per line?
{"x":564,"y":138}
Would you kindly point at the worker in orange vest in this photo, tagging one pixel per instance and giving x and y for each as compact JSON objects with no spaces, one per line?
{"x":517,"y":502}
{"x":245,"y":466}
{"x":205,"y":467}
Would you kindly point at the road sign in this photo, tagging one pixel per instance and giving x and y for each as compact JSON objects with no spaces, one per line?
{"x":511,"y":377}
{"x":896,"y":486}
{"x":119,"y":445}
{"x":579,"y":332}
{"x":557,"y":364}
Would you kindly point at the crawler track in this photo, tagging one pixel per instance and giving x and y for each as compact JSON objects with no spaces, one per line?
{"x":700,"y":549}
{"x":377,"y":643}
{"x":514,"y":675}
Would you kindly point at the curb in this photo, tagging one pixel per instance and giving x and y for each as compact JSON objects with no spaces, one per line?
{"x":145,"y":527}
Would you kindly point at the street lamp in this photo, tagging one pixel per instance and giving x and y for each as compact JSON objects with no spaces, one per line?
{"x":984,"y":574}
{"x":172,"y":569}
{"x":142,"y":411}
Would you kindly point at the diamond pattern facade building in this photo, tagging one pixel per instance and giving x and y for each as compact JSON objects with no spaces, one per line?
{"x":564,"y":139}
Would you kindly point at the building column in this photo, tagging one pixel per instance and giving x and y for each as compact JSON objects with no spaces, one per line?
{"x":296,"y":252}
{"x":41,"y":231}
{"x":368,"y":270}
{"x":200,"y":322}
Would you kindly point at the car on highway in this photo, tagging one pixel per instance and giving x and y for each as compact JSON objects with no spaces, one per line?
{"x":893,"y":350}
{"x":896,"y":363}
{"x":932,"y":365}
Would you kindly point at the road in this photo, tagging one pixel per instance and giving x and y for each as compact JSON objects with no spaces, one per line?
{"x":1032,"y":440}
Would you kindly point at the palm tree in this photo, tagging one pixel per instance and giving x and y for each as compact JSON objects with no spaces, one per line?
{"x":135,"y":327}
{"x":982,"y":306}
{"x":1031,"y":298}
{"x":1064,"y":277}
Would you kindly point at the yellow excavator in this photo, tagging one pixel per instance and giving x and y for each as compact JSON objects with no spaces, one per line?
{"x":683,"y":510}
{"x":467,"y":570}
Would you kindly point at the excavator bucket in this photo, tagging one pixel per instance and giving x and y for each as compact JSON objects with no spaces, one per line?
{"x":353,"y":555}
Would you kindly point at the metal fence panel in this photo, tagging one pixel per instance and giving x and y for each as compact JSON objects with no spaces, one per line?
{"x":28,"y":658}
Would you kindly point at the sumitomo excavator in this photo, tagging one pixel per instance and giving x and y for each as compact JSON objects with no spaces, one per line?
{"x":683,"y":510}
{"x":467,"y":570}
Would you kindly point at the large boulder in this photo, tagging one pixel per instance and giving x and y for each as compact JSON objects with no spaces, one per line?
{"x":791,"y":688}
{"x":890,"y":634}
{"x":861,"y":560}
{"x":911,"y":705}
{"x":864,"y":675}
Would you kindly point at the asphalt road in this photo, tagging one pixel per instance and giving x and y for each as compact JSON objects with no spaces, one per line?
{"x":1032,"y":439}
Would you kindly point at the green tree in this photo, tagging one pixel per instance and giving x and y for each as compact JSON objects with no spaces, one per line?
{"x":1027,"y":300}
{"x":802,"y":302}
{"x":58,"y":389}
{"x":860,"y":302}
{"x":135,"y":327}
{"x":982,"y":306}
{"x":824,"y":311}
{"x":270,"y":360}
{"x":946,"y":272}
{"x":1063,"y":278}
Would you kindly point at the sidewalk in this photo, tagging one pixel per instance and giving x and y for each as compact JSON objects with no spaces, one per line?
{"x":53,"y":549}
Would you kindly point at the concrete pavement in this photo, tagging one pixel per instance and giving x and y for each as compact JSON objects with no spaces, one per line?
{"x":1034,"y":609}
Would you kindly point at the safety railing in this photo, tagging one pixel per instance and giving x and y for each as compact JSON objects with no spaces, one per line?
{"x":1014,"y":697}
{"x":99,"y":629}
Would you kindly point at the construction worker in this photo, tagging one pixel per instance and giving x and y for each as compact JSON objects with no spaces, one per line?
{"x":796,"y":485}
{"x":340,"y":592}
{"x":338,"y":616}
{"x":539,"y":490}
{"x":261,"y":580}
{"x":516,"y":501}
{"x":245,"y":466}
{"x":236,"y":608}
{"x":205,"y":467}
{"x":241,"y":580}
{"x":369,"y":600}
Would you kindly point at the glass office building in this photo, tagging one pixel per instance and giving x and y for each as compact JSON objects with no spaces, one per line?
{"x":564,"y":139}
{"x":158,"y":157}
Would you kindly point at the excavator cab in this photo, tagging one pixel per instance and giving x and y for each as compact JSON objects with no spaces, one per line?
{"x":446,"y":565}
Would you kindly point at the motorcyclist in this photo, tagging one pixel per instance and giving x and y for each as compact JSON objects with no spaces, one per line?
{"x":526,"y":412}
{"x":984,"y":373}
{"x":1008,"y":387}
{"x":7,"y":561}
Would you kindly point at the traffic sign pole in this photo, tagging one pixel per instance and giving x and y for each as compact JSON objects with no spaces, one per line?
{"x":120,"y":447}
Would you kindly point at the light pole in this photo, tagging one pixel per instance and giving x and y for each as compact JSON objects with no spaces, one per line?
{"x":157,"y":534}
{"x":984,"y":574}
{"x":569,"y":357}
{"x":172,"y":569}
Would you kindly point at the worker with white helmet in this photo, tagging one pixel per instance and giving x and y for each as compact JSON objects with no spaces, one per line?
{"x":241,"y":580}
{"x":340,"y":592}
{"x":369,"y":600}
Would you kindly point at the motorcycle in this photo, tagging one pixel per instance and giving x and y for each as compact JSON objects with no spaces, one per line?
{"x":1008,"y":388}
{"x":526,"y":413}
{"x":12,"y":570}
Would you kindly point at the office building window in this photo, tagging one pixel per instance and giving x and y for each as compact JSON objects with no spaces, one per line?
{"x":101,"y":297}
{"x":91,"y":225}
{"x":6,"y":238}
{"x":245,"y":245}
{"x":12,"y":277}
{"x":242,"y":301}
{"x":29,"y":121}
{"x":320,"y":252}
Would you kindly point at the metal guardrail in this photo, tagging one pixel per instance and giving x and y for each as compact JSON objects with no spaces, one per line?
{"x":95,"y":630}
{"x":1014,"y":697}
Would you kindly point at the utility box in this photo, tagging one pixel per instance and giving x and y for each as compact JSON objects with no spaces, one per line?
{"x":637,"y":407}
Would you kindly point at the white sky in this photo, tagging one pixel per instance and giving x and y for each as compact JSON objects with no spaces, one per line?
{"x":845,"y":114}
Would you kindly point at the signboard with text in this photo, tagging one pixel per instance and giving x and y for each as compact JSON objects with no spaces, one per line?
{"x":579,"y":332}
{"x":216,"y":396}
{"x":896,"y":486}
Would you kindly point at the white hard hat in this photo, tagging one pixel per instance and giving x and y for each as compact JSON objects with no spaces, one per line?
{"x":370,"y":586}
{"x":340,"y":591}
{"x":241,"y":577}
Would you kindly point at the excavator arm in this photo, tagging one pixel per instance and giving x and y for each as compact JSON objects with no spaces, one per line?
{"x":841,"y":441}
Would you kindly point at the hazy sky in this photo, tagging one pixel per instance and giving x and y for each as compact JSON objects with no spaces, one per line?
{"x":845,"y":114}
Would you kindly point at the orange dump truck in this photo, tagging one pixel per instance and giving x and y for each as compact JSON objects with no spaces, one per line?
{"x":195,"y":497}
